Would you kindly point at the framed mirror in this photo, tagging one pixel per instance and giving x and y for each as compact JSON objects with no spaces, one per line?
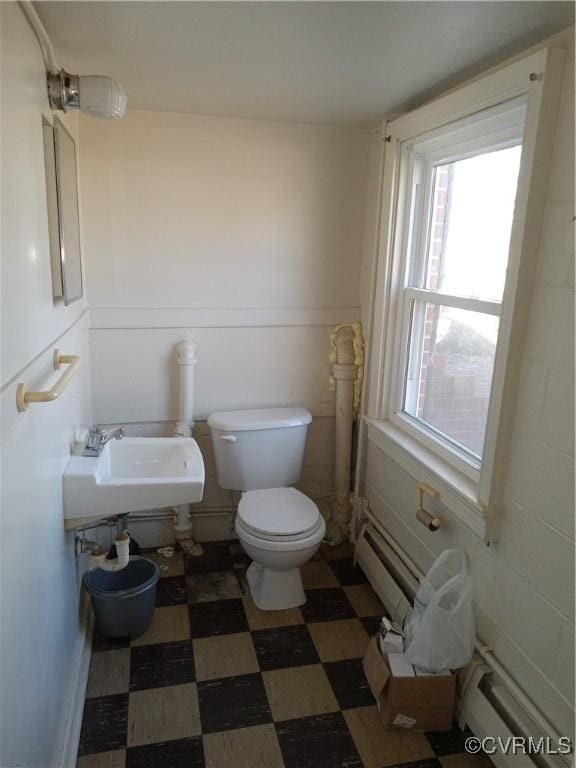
{"x":63,"y":215}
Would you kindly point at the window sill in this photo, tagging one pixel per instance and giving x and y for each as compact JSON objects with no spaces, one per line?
{"x":458,"y":493}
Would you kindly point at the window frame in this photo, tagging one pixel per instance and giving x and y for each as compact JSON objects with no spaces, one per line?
{"x":471,"y":494}
{"x":510,"y":120}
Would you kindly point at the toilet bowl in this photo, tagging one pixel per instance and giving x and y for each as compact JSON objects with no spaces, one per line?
{"x":280,"y":529}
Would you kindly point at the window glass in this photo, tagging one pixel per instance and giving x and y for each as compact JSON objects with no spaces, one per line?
{"x":450,"y":372}
{"x":471,"y":220}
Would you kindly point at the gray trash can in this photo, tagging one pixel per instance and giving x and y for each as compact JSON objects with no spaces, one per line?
{"x":123,"y":601}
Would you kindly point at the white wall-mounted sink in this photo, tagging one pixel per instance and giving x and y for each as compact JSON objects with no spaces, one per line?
{"x":133,"y":474}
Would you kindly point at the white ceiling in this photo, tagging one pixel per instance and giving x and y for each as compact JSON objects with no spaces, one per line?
{"x":313,"y":62}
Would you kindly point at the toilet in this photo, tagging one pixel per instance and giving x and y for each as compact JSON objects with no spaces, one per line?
{"x":260,"y":452}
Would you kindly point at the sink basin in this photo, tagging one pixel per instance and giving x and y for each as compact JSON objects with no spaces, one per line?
{"x":133,"y":474}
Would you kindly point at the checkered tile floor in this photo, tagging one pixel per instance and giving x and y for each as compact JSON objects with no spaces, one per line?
{"x":216,"y":683}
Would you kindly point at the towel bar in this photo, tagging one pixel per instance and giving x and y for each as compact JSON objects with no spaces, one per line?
{"x":23,"y":396}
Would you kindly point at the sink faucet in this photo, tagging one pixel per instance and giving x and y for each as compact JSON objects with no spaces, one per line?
{"x":98,"y":436}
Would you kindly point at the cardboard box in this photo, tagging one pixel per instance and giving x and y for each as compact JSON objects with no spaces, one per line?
{"x":419,"y":703}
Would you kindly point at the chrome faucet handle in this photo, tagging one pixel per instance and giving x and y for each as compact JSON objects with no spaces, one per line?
{"x":94,"y":442}
{"x":98,"y":436}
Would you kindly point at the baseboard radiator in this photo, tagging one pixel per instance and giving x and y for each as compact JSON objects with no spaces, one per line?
{"x":489,"y":700}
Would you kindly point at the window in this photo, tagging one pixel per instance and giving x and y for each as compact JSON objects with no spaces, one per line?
{"x":463,"y":191}
{"x":460,"y":190}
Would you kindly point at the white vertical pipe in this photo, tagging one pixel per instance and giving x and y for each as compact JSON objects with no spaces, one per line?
{"x":344,"y":373}
{"x":186,"y":358}
{"x":343,"y":439}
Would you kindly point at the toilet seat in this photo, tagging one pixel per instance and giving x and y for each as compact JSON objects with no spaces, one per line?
{"x":278,"y":514}
{"x":242,"y":528}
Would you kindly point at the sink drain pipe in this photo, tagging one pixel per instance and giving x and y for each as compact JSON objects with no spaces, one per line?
{"x":186,"y":359}
{"x":99,"y":559}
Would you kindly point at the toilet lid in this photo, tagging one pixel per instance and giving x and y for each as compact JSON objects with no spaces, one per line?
{"x":278,"y":512}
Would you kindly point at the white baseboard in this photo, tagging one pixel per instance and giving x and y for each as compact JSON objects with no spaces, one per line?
{"x":77,"y":690}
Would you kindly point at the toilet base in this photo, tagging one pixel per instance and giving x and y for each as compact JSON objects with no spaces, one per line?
{"x":275,"y":590}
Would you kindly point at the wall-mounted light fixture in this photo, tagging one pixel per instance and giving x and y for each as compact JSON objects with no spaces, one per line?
{"x":95,"y":95}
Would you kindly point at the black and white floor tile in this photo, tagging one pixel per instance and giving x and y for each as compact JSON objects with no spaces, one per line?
{"x":216,"y":683}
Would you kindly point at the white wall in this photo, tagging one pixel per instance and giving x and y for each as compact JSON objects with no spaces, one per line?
{"x":41,"y":637}
{"x":524,"y":584}
{"x":246,"y":234}
{"x":187,"y":211}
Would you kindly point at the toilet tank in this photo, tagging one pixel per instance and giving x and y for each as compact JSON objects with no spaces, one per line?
{"x":259,"y":448}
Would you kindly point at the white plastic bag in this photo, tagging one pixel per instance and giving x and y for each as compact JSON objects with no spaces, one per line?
{"x":440,"y":628}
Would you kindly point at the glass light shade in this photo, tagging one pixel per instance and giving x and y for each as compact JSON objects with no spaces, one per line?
{"x":102,"y":97}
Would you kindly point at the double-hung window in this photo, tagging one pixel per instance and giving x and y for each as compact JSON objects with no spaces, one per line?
{"x":460,"y":191}
{"x":462,"y":199}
